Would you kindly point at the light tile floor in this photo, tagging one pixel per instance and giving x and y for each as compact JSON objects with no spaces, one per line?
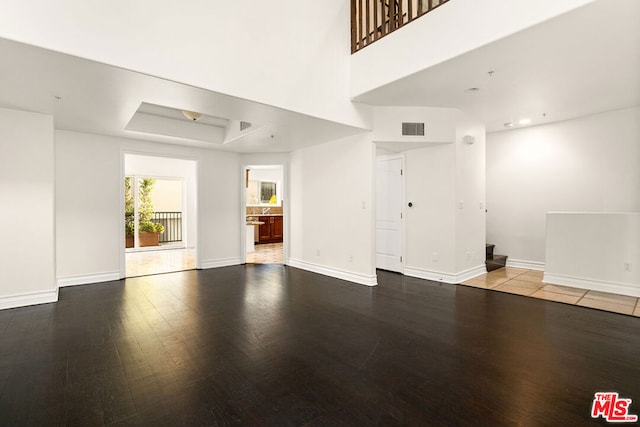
{"x":529,"y":283}
{"x":160,"y":261}
{"x":266,"y":253}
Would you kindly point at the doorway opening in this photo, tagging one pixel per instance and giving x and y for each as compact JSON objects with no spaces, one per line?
{"x":159,"y":215}
{"x":264,"y":214}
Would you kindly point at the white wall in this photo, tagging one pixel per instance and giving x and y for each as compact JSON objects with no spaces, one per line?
{"x":167,"y":195}
{"x":288,"y":54}
{"x":154,"y":166}
{"x":27,"y":263}
{"x":590,"y":250}
{"x":470,"y":196}
{"x":591,"y":164}
{"x":261,"y":174}
{"x":464,"y":24}
{"x":90,"y":165}
{"x":88,"y":217}
{"x":332,"y":209}
{"x":445,"y":182}
{"x":430,"y":185}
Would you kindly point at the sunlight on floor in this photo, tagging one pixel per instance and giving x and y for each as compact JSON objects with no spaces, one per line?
{"x":160,"y":261}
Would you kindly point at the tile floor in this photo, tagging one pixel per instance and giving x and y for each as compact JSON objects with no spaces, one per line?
{"x":158,"y":261}
{"x":529,"y":283}
{"x":266,"y":253}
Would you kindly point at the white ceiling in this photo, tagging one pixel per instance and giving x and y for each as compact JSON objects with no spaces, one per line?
{"x":584,"y":62}
{"x":101,"y":99}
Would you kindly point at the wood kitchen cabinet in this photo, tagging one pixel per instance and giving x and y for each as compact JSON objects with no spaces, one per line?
{"x":271,"y":230}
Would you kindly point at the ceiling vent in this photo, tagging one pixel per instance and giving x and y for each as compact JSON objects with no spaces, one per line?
{"x":412,"y":129}
{"x":244,"y":125}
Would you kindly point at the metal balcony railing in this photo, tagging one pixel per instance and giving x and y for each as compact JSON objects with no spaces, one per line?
{"x":172,"y":222}
{"x":373,"y":19}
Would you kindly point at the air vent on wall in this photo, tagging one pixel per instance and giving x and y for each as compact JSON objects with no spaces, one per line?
{"x":244,"y":125}
{"x":412,"y":129}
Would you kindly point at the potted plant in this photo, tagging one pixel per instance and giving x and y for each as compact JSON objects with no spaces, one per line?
{"x":148,"y":232}
{"x":129,"y":232}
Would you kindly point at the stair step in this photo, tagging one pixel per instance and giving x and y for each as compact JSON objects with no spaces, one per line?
{"x":495,"y":262}
{"x":489,"y":250}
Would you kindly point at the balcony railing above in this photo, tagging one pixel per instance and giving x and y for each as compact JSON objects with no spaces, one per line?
{"x":373,"y":19}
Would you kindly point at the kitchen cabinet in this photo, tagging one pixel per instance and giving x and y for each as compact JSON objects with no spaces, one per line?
{"x":272,"y":229}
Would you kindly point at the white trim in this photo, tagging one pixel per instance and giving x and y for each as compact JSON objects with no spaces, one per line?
{"x":88,"y":279}
{"x":438,"y":276}
{"x":529,"y":265}
{"x":594,"y":285}
{"x":122,"y":256}
{"x":31,"y":298}
{"x":349,"y":276}
{"x":470,"y":273}
{"x":222,"y":262}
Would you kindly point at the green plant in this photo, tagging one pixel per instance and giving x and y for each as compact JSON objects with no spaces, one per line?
{"x":129,"y":208}
{"x":145,"y":204}
{"x":129,"y":229}
{"x":152,"y":227}
{"x":145,"y":207}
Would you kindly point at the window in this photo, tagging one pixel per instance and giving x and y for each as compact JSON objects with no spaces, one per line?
{"x":268,"y":192}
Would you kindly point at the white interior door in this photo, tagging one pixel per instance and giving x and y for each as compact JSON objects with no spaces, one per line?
{"x":389,"y":183}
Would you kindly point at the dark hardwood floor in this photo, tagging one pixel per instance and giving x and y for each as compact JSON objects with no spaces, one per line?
{"x":271,"y":345}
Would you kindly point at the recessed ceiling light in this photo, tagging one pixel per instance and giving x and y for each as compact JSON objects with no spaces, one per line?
{"x":508,"y":125}
{"x":524,"y":121}
{"x":472,"y":90}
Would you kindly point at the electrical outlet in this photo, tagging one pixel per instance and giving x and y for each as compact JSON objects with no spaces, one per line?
{"x":317,"y":252}
{"x":351,"y":258}
{"x":626,"y":266}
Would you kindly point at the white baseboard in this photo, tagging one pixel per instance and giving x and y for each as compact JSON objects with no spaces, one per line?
{"x":594,"y":285}
{"x":438,"y":276}
{"x":222,"y":262}
{"x":529,"y":265}
{"x":349,"y":276}
{"x":31,"y":298}
{"x":88,"y":279}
